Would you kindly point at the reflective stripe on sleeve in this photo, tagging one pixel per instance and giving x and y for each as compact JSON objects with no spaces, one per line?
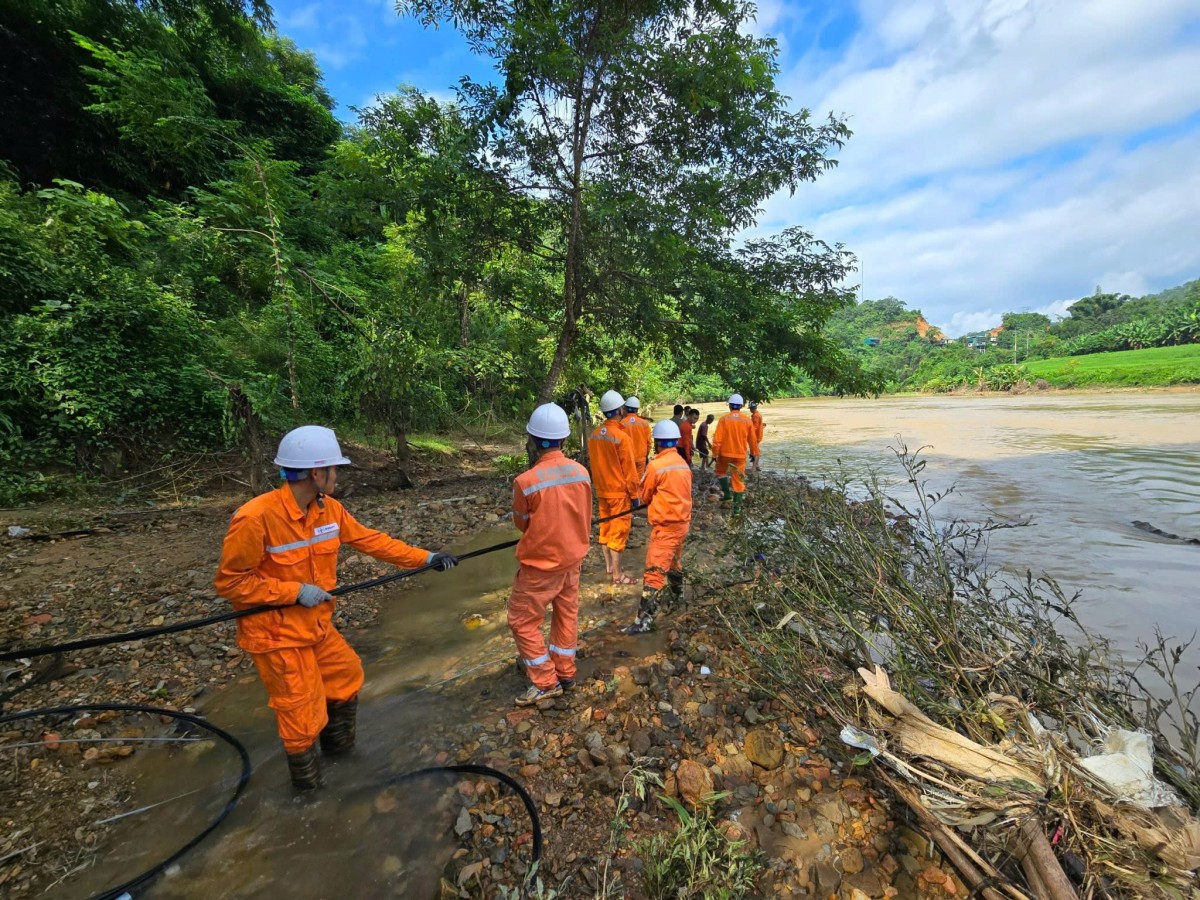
{"x":675,"y":467}
{"x":562,"y":651}
{"x":555,"y":482}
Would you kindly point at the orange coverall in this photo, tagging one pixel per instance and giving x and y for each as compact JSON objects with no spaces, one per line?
{"x":638,"y":430}
{"x":735,"y":433}
{"x":552,"y":504}
{"x":685,"y":440}
{"x":756,"y":418}
{"x":271,"y":548}
{"x":667,"y":493}
{"x":615,"y":477}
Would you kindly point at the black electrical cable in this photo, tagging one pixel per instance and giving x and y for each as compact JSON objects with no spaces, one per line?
{"x":150,"y":874}
{"x":489,"y":772}
{"x":142,"y":634}
{"x":143,"y":879}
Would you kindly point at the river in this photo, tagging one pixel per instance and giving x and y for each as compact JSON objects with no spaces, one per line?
{"x":1082,"y":466}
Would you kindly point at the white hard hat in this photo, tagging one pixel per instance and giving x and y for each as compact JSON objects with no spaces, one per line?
{"x":633,"y":402}
{"x":735,"y":400}
{"x":666,"y":430}
{"x":549,"y":421}
{"x":610,"y":401}
{"x":310,"y":447}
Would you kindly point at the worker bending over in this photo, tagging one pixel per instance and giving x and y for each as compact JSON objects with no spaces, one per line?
{"x":733,"y":438}
{"x":667,"y":493}
{"x":615,"y":477}
{"x":639,"y":430}
{"x":282,"y":549}
{"x":552,"y":505}
{"x":757,"y":419}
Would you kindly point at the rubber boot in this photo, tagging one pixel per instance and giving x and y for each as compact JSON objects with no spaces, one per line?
{"x":675,"y":583}
{"x":651,"y":600}
{"x":338,"y":736}
{"x":737,"y":503}
{"x":305,"y":769}
{"x":725,"y":481}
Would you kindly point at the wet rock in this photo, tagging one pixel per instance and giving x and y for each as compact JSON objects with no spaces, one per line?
{"x":695,"y":782}
{"x":828,"y":878}
{"x":640,"y":742}
{"x":464,"y":824}
{"x":852,"y":861}
{"x":764,"y":748}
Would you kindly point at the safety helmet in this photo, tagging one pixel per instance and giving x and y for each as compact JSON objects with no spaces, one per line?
{"x":310,"y":447}
{"x":611,"y":400}
{"x":666,"y":430}
{"x":549,"y":421}
{"x":736,"y":400}
{"x":633,"y":402}
{"x":754,"y":404}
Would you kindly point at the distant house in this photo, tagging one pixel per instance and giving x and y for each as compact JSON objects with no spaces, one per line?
{"x":976,"y":342}
{"x":871,"y":342}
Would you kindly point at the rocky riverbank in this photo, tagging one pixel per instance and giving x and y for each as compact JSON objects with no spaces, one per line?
{"x":679,"y":716}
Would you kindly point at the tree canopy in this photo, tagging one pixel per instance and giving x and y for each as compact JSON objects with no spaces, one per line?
{"x":193,"y":250}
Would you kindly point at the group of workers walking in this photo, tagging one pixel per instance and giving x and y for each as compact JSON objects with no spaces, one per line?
{"x":281,"y":550}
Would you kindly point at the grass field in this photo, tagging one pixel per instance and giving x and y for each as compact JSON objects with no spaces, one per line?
{"x":1129,"y":368}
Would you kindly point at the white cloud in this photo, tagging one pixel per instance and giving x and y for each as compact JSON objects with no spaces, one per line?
{"x":991,"y":167}
{"x":301,"y":19}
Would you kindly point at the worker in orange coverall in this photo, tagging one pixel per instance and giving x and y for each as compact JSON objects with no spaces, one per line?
{"x":282,"y":549}
{"x":759,"y":429}
{"x":638,"y":430}
{"x":552,"y":505}
{"x":615,"y":477}
{"x":735,"y":435}
{"x":667,"y":492}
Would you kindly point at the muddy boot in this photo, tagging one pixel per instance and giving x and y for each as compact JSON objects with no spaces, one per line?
{"x":737,"y":503}
{"x":338,"y":736}
{"x":726,"y":493}
{"x":305,"y":769}
{"x":651,"y":600}
{"x":675,"y":583}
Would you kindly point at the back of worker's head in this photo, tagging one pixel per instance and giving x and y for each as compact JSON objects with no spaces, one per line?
{"x":710,"y":418}
{"x":735,"y":401}
{"x":633,"y":404}
{"x":612,"y":404}
{"x":665,"y":434}
{"x":679,"y":409}
{"x":753,"y":405}
{"x":548,"y":426}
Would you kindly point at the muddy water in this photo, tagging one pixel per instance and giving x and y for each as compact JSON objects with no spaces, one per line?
{"x":357,"y":837}
{"x":344,"y":840}
{"x":1082,"y":467}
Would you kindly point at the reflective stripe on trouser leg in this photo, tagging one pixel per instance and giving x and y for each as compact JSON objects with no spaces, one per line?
{"x":293,"y":682}
{"x":664,"y":553}
{"x":614,"y":534}
{"x":532,"y":592}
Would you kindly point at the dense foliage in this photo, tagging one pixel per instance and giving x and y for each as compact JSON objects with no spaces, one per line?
{"x":194,"y":251}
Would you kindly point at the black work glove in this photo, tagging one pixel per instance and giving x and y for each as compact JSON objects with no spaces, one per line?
{"x":443,"y":561}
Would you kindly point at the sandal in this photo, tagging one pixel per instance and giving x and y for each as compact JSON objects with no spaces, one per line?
{"x":626,"y":579}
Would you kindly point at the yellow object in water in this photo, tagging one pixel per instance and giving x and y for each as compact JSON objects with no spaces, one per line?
{"x":474,"y":620}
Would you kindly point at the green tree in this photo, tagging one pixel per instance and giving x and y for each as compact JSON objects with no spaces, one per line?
{"x":651,"y":133}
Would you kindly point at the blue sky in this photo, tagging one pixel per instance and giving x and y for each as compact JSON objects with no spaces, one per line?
{"x":1007,"y":155}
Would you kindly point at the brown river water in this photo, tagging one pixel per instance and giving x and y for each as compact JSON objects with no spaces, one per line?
{"x":1082,"y":466}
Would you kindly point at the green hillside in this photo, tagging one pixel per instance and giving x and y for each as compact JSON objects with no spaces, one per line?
{"x":1154,"y":366}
